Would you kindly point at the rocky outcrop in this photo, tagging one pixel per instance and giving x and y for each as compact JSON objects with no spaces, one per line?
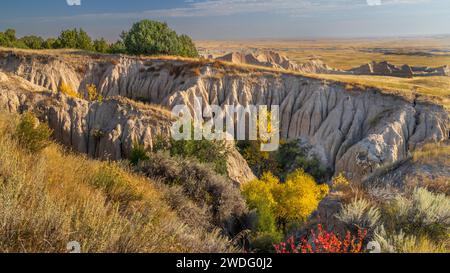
{"x":275,"y":60}
{"x":383,"y":69}
{"x":354,"y":131}
{"x":405,"y":71}
{"x":237,"y":167}
{"x":430,"y":71}
{"x":316,"y":66}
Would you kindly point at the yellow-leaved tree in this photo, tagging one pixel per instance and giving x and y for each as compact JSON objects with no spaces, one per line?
{"x":279,"y":204}
{"x":298,"y":197}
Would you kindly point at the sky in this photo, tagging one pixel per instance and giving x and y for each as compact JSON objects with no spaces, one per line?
{"x":233,"y":19}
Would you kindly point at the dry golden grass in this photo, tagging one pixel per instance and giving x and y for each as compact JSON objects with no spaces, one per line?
{"x":433,"y":153}
{"x":432,"y":89}
{"x":50,"y":198}
{"x":436,"y":184}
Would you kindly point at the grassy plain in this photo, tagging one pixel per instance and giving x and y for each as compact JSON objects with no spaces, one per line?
{"x":346,"y":53}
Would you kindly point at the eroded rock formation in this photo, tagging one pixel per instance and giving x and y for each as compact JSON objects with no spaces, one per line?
{"x":276,"y":60}
{"x":353,"y":131}
{"x":316,"y":66}
{"x":105,"y":130}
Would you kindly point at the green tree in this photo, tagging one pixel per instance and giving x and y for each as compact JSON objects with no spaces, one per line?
{"x":187,"y":46}
{"x":100,"y":45}
{"x":10,"y":34}
{"x":152,"y":38}
{"x":74,"y":38}
{"x":117,"y":48}
{"x":33,"y":42}
{"x":259,"y":161}
{"x":8,"y":38}
{"x":67,"y":39}
{"x":292,"y":156}
{"x":49,"y":43}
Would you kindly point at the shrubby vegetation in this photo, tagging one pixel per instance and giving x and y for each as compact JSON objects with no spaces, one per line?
{"x":423,"y":213}
{"x":359,"y":214}
{"x":224,"y":203}
{"x":92,"y":93}
{"x":138,"y":153}
{"x":68,"y":90}
{"x":416,"y":221}
{"x":323,"y":241}
{"x":214,"y":153}
{"x":144,"y":38}
{"x":50,"y":198}
{"x":286,"y":193}
{"x":288,"y":158}
{"x":281,"y":206}
{"x":31,"y":134}
{"x":400,"y":219}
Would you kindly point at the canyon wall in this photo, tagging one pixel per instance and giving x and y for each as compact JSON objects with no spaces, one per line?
{"x":351,"y":131}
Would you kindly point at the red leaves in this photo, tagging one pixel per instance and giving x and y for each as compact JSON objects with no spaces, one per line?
{"x":322,"y":241}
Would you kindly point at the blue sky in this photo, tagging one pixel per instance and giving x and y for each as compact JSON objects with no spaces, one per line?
{"x":234,"y":19}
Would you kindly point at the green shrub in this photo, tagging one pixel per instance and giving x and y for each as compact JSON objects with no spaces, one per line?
{"x":423,"y":213}
{"x":288,"y":158}
{"x":8,"y":38}
{"x":145,"y":37}
{"x":403,"y":243}
{"x":138,"y":153}
{"x":264,"y":241}
{"x":210,"y":152}
{"x":31,"y":134}
{"x":359,"y":215}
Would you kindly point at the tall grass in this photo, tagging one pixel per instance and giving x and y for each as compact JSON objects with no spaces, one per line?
{"x":433,"y":153}
{"x":52,"y":197}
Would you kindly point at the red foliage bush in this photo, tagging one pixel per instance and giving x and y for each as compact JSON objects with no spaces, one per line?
{"x":323,"y":241}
